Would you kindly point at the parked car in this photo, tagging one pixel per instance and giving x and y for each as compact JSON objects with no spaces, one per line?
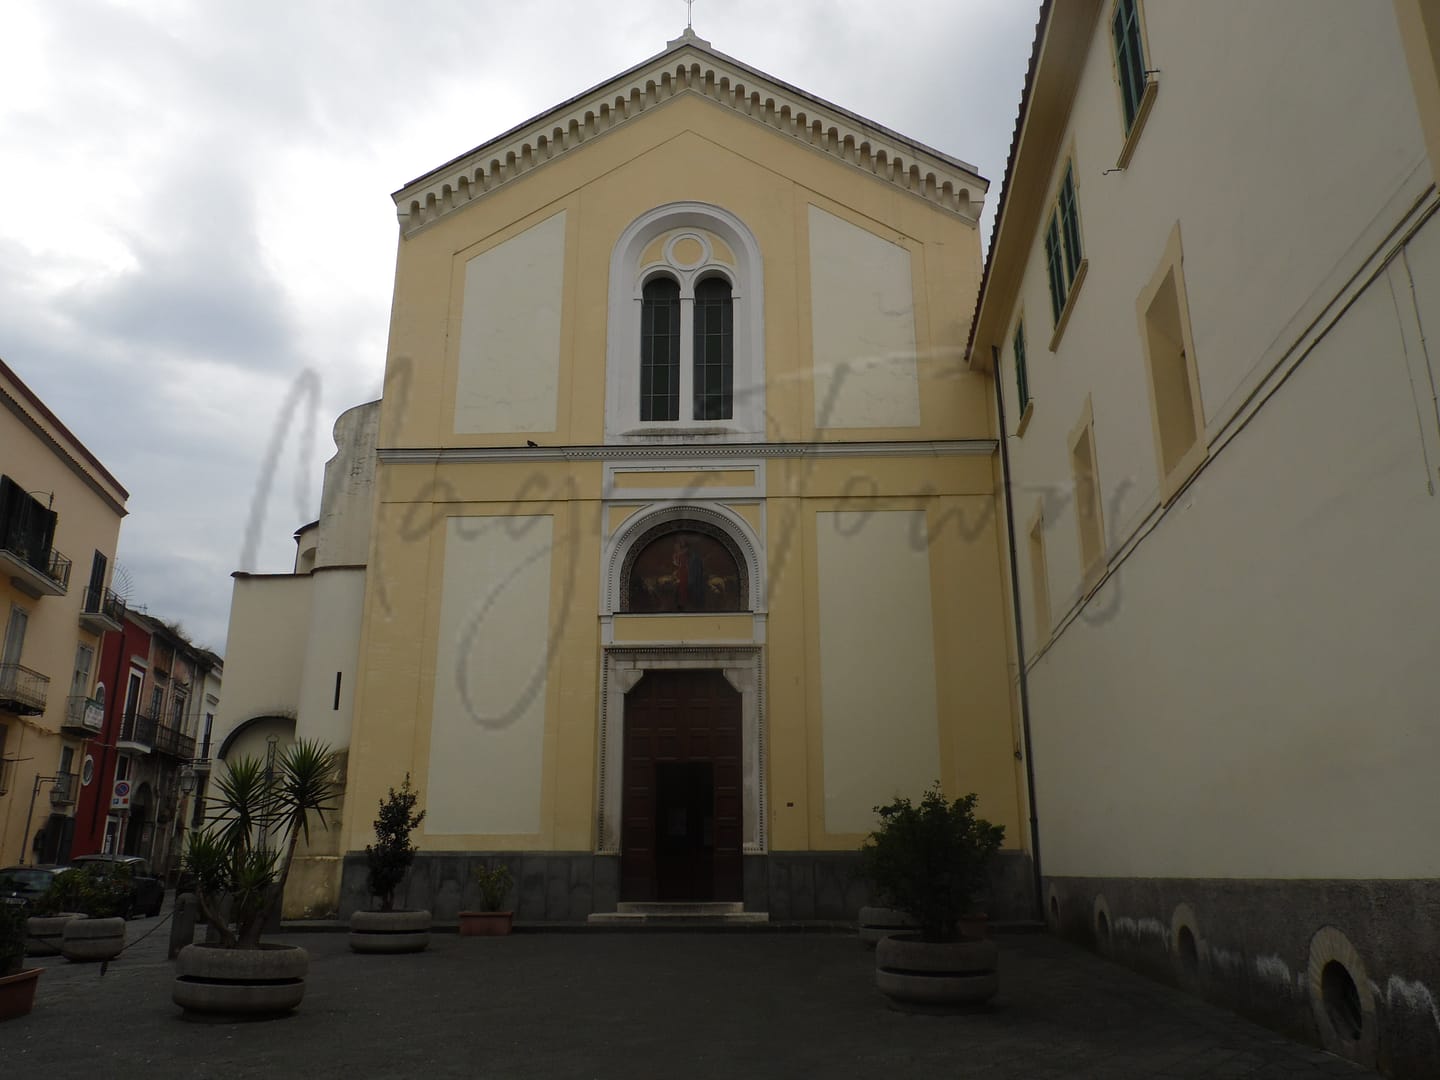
{"x":23,"y":885}
{"x":147,"y":894}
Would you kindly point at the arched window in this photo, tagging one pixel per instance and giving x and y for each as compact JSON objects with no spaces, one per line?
{"x":684,"y":565}
{"x":714,"y":350}
{"x":685,"y":345}
{"x":660,"y":350}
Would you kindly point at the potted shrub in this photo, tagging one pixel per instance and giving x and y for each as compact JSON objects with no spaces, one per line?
{"x":241,"y":861}
{"x":17,"y":983}
{"x":390,"y":857}
{"x":101,"y":892}
{"x":929,"y":861}
{"x":493,"y":880}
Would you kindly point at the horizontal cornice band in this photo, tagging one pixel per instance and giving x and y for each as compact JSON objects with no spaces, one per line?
{"x":465,"y":455}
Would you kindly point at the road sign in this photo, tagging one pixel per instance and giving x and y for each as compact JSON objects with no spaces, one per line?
{"x":120,"y":795}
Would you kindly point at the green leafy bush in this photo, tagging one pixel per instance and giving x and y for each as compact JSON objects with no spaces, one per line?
{"x":930,"y":860}
{"x":392,"y":853}
{"x":494,"y":880}
{"x":100,"y":890}
{"x":12,"y":939}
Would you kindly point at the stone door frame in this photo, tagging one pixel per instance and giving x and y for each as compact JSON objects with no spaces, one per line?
{"x":743,"y":667}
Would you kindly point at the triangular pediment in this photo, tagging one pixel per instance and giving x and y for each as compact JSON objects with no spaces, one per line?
{"x":690,"y":66}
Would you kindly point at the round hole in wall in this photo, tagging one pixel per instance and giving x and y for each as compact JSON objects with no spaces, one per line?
{"x":1342,"y":1000}
{"x":87,"y":770}
{"x":1189,"y":951}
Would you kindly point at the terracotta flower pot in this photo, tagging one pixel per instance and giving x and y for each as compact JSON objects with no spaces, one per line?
{"x":252,"y":983}
{"x":389,"y":931}
{"x":17,"y":993}
{"x":486,"y":923}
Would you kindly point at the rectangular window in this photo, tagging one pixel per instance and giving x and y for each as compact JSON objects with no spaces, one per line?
{"x":1055,"y":268}
{"x":1070,"y":226}
{"x":1087,"y":499}
{"x":1022,"y":376}
{"x":714,"y":350}
{"x":1129,"y":58}
{"x":80,"y":681}
{"x":660,"y":351}
{"x":15,"y":636}
{"x":1039,"y":580}
{"x":1170,"y":365}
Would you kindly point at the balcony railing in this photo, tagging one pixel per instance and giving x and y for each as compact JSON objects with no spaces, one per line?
{"x":103,"y":610}
{"x":22,"y":691}
{"x":173,"y":741}
{"x":36,"y":573}
{"x":65,"y":790}
{"x":84,"y":718}
{"x":138,"y":729}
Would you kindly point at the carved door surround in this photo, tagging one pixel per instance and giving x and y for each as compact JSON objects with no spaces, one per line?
{"x":623,"y":667}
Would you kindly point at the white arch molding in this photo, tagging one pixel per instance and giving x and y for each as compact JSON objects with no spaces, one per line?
{"x":618,"y":546}
{"x":622,"y":348}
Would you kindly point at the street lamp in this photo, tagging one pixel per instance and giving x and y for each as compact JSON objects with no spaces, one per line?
{"x":187,"y":780}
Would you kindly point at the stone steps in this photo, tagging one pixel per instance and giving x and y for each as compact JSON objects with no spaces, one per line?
{"x":695,"y":913}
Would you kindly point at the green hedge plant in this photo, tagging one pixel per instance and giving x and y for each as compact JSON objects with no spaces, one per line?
{"x":392,"y":853}
{"x":930,"y":860}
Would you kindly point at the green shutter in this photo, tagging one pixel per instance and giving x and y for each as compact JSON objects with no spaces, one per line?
{"x":1022,"y":377}
{"x":1129,"y":58}
{"x":1057,"y":272}
{"x":1070,"y":225}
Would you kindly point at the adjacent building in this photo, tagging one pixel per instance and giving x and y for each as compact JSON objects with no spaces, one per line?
{"x":1206,"y":305}
{"x":151,"y":762}
{"x":60,"y":512}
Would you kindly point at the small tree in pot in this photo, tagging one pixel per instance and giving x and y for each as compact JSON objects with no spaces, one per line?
{"x":241,"y":862}
{"x":390,"y":858}
{"x":930,"y":861}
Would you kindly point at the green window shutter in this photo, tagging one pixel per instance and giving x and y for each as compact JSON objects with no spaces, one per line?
{"x":1022,"y":377}
{"x":1070,"y":224}
{"x":1057,"y":272}
{"x":1129,"y":57}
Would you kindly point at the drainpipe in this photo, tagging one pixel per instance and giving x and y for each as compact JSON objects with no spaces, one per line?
{"x":1019,"y":639}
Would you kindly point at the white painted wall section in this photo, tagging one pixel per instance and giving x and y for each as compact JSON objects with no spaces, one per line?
{"x":877,"y":663}
{"x":488,"y":728}
{"x":509,"y":362}
{"x":862,"y":307}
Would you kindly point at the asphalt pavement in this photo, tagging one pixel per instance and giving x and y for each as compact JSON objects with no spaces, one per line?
{"x":648,"y":1005}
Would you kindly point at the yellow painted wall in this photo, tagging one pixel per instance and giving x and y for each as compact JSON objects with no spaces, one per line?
{"x":687,"y":149}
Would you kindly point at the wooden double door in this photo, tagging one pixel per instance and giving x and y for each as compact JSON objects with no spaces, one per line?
{"x":681,"y":831}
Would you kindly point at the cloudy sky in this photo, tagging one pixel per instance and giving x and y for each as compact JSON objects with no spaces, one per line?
{"x":197,"y":211}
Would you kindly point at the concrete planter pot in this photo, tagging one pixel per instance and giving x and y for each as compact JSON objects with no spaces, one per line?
{"x":389,"y":931}
{"x":920,"y":976}
{"x":17,"y":993}
{"x":43,"y":933}
{"x":880,"y":922}
{"x":486,"y":923}
{"x":244,"y":983}
{"x":86,"y":941}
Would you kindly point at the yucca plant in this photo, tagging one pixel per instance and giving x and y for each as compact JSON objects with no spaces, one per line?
{"x":258,"y":814}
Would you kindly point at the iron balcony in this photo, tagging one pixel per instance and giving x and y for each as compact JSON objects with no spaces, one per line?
{"x":103,"y":610}
{"x":22,"y":691}
{"x":137,"y":732}
{"x":84,"y":718}
{"x":35,"y":573}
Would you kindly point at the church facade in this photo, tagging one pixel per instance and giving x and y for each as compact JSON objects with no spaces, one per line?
{"x":684,"y":552}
